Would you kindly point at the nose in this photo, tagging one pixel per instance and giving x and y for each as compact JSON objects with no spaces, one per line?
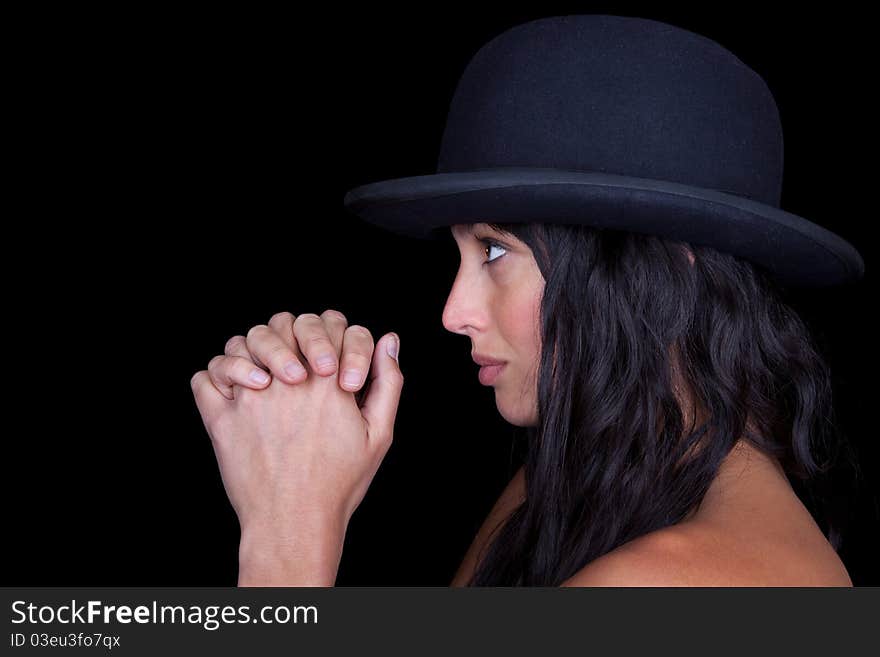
{"x":465,"y":308}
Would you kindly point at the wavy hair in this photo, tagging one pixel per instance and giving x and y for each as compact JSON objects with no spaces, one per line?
{"x":608,"y":459}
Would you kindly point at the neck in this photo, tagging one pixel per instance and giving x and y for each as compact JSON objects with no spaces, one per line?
{"x":747,"y":480}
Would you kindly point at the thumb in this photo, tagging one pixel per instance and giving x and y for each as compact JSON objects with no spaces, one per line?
{"x":386,"y":382}
{"x":209,"y":400}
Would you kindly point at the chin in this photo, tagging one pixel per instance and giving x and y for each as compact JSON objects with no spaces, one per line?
{"x":518,"y":417}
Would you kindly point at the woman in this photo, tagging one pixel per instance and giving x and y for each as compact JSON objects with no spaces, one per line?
{"x":635,"y":309}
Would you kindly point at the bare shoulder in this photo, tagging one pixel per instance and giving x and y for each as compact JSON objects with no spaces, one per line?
{"x":661,"y":558}
{"x":696,"y":555}
{"x":511,"y":497}
{"x":751,"y":530}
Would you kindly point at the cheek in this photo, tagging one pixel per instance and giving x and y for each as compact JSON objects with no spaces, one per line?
{"x":522,"y":323}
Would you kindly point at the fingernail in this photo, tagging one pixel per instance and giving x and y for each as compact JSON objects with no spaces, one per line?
{"x":259,"y":376}
{"x":393,"y":346}
{"x":326,"y":362}
{"x":293,"y":370}
{"x":351,"y":378}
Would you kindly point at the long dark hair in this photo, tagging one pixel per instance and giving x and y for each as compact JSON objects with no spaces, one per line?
{"x":609,"y":459}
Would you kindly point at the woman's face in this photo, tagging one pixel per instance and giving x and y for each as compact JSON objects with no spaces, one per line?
{"x":495,"y":300}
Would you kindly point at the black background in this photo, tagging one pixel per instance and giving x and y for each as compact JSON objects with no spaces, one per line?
{"x":182,"y":180}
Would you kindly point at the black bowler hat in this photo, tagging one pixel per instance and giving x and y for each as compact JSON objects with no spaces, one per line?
{"x":616,"y":122}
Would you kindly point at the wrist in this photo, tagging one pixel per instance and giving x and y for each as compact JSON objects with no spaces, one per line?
{"x":309,"y":556}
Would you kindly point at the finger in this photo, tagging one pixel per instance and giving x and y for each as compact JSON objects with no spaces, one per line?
{"x":208,"y":399}
{"x":335,"y":324}
{"x":314,"y":342}
{"x":222,"y":388}
{"x":282,"y":324}
{"x":386,"y":382}
{"x":227,"y":371}
{"x":266,"y":345}
{"x":357,"y":353}
{"x":237,"y":346}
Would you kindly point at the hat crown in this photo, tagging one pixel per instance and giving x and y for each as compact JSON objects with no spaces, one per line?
{"x":620,"y":95}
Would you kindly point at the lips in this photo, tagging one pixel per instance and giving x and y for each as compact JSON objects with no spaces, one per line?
{"x":485,"y":361}
{"x":489,"y":373}
{"x":490,"y":368}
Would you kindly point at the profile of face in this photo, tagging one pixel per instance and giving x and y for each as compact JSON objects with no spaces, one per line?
{"x":495,"y":300}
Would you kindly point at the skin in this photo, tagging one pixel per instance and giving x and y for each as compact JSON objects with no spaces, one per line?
{"x":290,"y":346}
{"x":297,"y":459}
{"x":495,"y":301}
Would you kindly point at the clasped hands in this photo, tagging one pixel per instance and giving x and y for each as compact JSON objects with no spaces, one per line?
{"x":297,"y":450}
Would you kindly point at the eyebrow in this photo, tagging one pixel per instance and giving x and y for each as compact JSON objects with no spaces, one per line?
{"x":470,"y":229}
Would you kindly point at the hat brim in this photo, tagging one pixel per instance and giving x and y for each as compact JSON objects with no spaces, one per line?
{"x":795,"y":251}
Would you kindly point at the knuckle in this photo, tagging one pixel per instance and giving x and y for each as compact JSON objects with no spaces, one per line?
{"x":233,"y":342}
{"x":281,"y":317}
{"x":317,"y":340}
{"x":305,"y":316}
{"x":278,"y":351}
{"x":215,"y":362}
{"x":334,"y":314}
{"x":359,"y":330}
{"x":254,"y":330}
{"x":237,"y":369}
{"x":384,"y":441}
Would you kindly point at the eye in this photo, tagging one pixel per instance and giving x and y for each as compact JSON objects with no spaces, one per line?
{"x":491,"y":244}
